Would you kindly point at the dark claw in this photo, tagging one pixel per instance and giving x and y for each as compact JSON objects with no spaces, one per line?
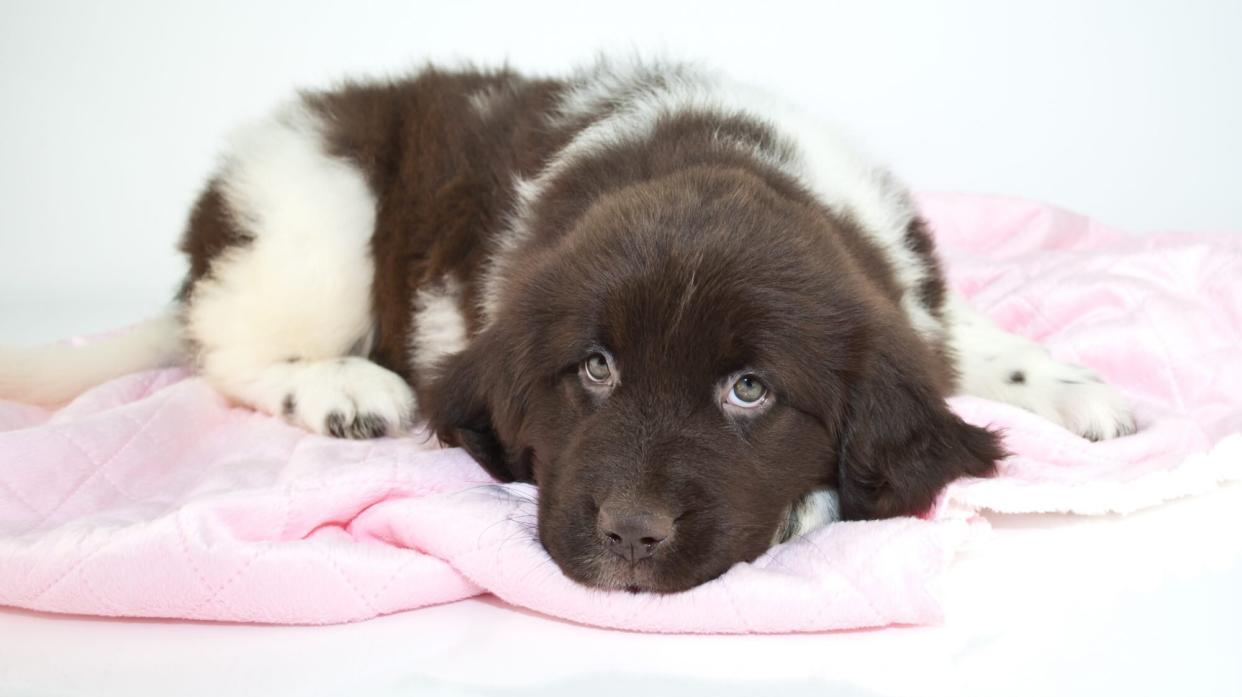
{"x":289,"y":406}
{"x":336,"y":425}
{"x":368,"y":425}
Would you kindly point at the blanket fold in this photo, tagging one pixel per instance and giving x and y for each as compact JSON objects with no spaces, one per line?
{"x":150,"y":496}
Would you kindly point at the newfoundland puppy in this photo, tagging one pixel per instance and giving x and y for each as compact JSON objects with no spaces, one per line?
{"x":695,"y":317}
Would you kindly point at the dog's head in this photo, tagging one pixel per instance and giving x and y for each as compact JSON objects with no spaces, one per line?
{"x":694,"y":357}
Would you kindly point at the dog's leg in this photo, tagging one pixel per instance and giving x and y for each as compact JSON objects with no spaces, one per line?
{"x":282,"y":315}
{"x":994,"y":364}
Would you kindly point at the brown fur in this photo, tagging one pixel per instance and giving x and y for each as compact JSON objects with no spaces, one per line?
{"x":688,"y":262}
{"x":442,"y":175}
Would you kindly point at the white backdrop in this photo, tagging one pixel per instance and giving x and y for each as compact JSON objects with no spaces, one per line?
{"x":1128,"y":111}
{"x":112,"y":113}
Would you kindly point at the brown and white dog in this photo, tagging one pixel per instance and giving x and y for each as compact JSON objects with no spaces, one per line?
{"x":693,"y":315}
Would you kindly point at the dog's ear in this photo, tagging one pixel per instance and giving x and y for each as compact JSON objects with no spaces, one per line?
{"x":901,"y":444}
{"x":470,"y":403}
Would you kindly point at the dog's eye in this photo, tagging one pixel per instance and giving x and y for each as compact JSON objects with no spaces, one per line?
{"x":597,"y":369}
{"x":748,"y":392}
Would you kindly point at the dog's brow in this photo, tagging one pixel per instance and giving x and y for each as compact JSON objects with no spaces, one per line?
{"x":687,"y":294}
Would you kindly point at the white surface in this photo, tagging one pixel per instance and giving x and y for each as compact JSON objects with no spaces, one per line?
{"x":1051,"y":605}
{"x":1125,"y":111}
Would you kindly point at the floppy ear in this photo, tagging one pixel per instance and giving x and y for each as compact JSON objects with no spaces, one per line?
{"x":901,"y":445}
{"x":470,"y":403}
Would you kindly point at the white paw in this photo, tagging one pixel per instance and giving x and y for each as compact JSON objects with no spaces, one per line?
{"x":1067,"y":394}
{"x":1088,"y":406}
{"x":347,"y":398}
{"x":995,"y":364}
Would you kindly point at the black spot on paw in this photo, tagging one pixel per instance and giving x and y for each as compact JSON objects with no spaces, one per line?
{"x":289,"y":406}
{"x":1017,"y":377}
{"x":368,"y":425}
{"x":336,"y":425}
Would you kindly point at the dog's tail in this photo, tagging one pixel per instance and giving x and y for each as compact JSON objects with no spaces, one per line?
{"x":55,"y":373}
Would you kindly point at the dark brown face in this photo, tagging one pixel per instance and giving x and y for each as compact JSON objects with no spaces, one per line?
{"x":676,"y":372}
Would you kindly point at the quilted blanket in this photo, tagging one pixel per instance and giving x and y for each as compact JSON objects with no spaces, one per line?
{"x":150,"y":496}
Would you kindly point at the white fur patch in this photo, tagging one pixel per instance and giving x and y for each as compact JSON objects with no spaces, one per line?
{"x":301,"y":287}
{"x":995,"y":364}
{"x":816,"y":510}
{"x":633,"y":97}
{"x":439,"y":326}
{"x":508,"y":242}
{"x":484,"y":101}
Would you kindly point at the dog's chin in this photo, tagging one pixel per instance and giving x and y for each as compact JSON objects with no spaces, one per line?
{"x":613,"y":573}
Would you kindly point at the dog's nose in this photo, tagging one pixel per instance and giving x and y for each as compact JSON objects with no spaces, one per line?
{"x":634,"y":533}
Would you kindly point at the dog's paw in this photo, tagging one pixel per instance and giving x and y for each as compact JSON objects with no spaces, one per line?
{"x":348,"y":398}
{"x":995,"y":364}
{"x":1072,"y":396}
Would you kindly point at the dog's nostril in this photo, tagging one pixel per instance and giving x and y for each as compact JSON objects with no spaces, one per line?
{"x":634,"y":533}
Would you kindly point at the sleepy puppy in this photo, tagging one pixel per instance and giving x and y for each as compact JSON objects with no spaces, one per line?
{"x":695,"y":317}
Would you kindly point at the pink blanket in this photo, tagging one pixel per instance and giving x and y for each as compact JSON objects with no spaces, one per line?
{"x":149,"y":496}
